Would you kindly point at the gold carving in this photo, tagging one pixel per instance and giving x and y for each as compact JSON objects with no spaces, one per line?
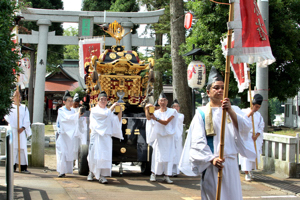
{"x":128,"y":131}
{"x":121,"y":54}
{"x":128,"y":56}
{"x":123,"y":150}
{"x":112,"y":56}
{"x":112,"y":100}
{"x":116,"y":31}
{"x":124,"y":121}
{"x":123,"y":107}
{"x":136,"y":131}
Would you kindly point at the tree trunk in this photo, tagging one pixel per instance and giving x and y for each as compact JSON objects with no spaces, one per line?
{"x":158,"y":85}
{"x":181,"y":91}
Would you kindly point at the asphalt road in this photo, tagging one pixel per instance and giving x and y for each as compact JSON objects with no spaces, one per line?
{"x":44,"y":184}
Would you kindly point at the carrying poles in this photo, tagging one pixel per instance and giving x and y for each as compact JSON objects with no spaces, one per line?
{"x":253,"y":126}
{"x":225,"y":95}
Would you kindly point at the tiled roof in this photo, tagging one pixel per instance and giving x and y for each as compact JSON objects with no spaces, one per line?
{"x":60,"y":86}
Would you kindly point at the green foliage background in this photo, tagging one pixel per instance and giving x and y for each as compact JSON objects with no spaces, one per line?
{"x":55,"y":54}
{"x":284,"y":35}
{"x":8,"y":57}
{"x":110,"y":5}
{"x":80,"y":91}
{"x":71,"y":51}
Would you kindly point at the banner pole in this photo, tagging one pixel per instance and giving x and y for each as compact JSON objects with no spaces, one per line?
{"x":253,"y":126}
{"x":225,"y":95}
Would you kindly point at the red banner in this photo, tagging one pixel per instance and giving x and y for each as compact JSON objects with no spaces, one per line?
{"x":87,"y":49}
{"x":250,"y":36}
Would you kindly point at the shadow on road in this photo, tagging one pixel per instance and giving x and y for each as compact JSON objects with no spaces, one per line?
{"x":23,"y":193}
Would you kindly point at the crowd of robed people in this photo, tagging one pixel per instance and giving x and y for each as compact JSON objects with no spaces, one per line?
{"x":164,"y":130}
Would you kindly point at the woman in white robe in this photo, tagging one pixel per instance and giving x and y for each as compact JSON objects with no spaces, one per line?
{"x":202,"y":146}
{"x":160,"y":134}
{"x":247,"y":164}
{"x":24,"y":131}
{"x":67,"y":125}
{"x":104,"y":125}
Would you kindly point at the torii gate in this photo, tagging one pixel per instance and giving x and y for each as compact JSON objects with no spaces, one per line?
{"x":44,"y":18}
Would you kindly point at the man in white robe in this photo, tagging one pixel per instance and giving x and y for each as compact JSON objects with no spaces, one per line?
{"x":178,"y":137}
{"x":67,"y":125}
{"x":104,"y":124}
{"x":160,"y":134}
{"x":248,"y":164}
{"x":80,"y":136}
{"x":201,"y":150}
{"x":23,"y":130}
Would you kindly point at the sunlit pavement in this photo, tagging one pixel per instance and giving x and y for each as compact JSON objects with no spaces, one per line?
{"x":44,"y":184}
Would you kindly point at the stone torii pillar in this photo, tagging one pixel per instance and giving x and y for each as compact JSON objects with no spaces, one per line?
{"x":126,"y":41}
{"x":39,"y":90}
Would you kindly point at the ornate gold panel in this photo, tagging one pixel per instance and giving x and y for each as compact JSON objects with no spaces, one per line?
{"x":128,"y":131}
{"x":136,"y":131}
{"x":123,"y":150}
{"x":124,"y":121}
{"x":128,"y":56}
{"x":112,"y":56}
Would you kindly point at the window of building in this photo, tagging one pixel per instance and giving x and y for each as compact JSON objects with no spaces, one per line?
{"x":286,"y":110}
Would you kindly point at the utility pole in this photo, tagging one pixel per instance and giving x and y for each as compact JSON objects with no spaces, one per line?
{"x":262,"y":74}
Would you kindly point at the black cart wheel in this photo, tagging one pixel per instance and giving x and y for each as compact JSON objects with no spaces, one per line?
{"x":83,"y":167}
{"x":146,"y":168}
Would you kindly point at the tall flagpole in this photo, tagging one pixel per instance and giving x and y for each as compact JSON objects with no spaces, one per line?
{"x":253,"y":125}
{"x":225,"y":95}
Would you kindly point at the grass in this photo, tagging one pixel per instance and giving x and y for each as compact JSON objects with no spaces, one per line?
{"x":287,"y":131}
{"x":49,"y":130}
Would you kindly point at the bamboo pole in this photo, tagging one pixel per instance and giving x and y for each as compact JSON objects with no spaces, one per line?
{"x":18,"y":105}
{"x":253,"y":126}
{"x":225,"y":95}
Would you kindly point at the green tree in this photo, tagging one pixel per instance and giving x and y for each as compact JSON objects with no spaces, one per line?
{"x":284,"y":38}
{"x":55,"y":53}
{"x":9,"y":58}
{"x":97,"y":5}
{"x":110,"y":5}
{"x":162,"y":54}
{"x":284,"y":74}
{"x":71,"y":51}
{"x":80,"y":91}
{"x":124,"y":6}
{"x":181,"y":90}
{"x":275,"y":108}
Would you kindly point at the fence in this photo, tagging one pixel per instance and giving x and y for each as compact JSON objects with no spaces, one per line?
{"x":280,"y":154}
{"x":9,"y":162}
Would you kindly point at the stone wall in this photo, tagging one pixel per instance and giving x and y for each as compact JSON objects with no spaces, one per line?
{"x":279,"y":155}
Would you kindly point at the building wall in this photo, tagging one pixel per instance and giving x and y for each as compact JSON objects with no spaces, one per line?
{"x":291,"y":112}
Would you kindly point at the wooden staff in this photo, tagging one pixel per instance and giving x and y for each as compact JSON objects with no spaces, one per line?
{"x":18,"y":105}
{"x":18,"y":126}
{"x":253,"y":127}
{"x":225,"y":95}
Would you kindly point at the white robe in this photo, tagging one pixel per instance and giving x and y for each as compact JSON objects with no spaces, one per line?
{"x":178,"y":142}
{"x":24,"y":121}
{"x":162,"y":139}
{"x":197,"y":154}
{"x":248,"y":164}
{"x":81,"y":135}
{"x":67,"y":125}
{"x":104,"y":124}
